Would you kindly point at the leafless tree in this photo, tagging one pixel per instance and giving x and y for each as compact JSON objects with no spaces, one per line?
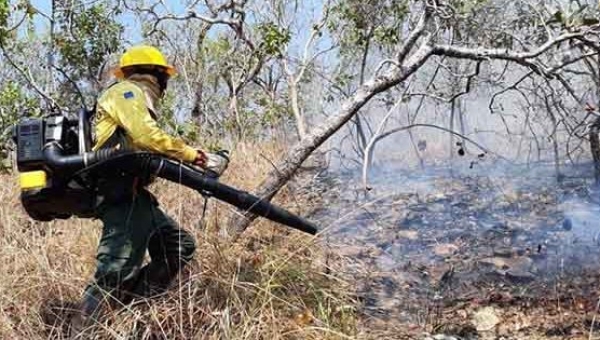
{"x":422,"y":44}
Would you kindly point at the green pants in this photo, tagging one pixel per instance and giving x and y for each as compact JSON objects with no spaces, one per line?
{"x":133,"y":225}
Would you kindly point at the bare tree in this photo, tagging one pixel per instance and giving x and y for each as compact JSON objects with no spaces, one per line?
{"x":419,"y":46}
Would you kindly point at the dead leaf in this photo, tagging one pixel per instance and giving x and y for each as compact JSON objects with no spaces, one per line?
{"x":351,"y":251}
{"x":486,"y":319}
{"x":304,"y":318}
{"x":445,"y":249}
{"x":408,"y":234}
{"x":523,"y":263}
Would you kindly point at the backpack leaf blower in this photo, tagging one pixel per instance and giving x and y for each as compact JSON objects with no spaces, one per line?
{"x":59,"y":173}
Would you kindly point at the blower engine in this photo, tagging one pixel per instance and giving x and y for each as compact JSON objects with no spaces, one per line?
{"x":49,"y":191}
{"x":59,"y":172}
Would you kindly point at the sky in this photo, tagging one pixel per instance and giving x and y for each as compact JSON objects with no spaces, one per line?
{"x":132,"y":34}
{"x":132,"y":26}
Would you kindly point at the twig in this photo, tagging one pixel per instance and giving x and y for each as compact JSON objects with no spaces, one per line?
{"x":28,"y":78}
{"x":79,"y":93}
{"x":414,"y":35}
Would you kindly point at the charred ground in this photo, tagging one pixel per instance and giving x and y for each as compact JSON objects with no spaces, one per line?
{"x":481,"y":253}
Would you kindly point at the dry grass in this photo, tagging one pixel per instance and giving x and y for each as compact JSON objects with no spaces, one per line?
{"x":273,"y":284}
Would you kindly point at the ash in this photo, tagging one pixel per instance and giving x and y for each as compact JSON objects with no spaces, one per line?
{"x":425,"y":242}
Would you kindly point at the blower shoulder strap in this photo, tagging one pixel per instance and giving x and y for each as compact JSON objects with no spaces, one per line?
{"x":118,"y":138}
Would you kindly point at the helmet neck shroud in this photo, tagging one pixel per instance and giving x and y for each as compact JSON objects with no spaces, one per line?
{"x":162,"y":77}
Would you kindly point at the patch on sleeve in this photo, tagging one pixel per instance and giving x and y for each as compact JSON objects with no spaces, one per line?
{"x":128,"y":95}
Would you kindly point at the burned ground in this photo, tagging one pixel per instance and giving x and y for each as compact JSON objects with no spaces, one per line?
{"x":497,"y":252}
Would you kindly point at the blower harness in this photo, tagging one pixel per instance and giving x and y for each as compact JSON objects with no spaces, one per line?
{"x":59,"y":172}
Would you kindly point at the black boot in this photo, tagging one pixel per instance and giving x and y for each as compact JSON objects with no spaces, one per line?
{"x":88,"y":313}
{"x":171,"y":249}
{"x":154,"y":279}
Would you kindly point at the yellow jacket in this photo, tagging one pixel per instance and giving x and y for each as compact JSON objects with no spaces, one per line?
{"x":126,"y":105}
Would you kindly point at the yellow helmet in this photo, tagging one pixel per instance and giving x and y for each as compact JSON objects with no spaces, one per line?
{"x":143,"y":55}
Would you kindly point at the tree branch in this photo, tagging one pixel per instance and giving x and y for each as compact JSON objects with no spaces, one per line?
{"x":378,"y":138}
{"x":29,"y":79}
{"x":522,"y":58}
{"x":414,"y":35}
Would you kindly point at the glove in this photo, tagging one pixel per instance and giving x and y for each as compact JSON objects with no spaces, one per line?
{"x":216,"y":163}
{"x":201,"y":159}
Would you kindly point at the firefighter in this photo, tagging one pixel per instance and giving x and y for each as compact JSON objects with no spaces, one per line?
{"x":133,"y":222}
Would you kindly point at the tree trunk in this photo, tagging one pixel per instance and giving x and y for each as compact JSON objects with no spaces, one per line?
{"x":595,"y":148}
{"x":594,"y":141}
{"x":451,"y":128}
{"x":298,"y":115}
{"x":197,"y":112}
{"x":361,"y":138}
{"x":235,"y":112}
{"x":555,"y":124}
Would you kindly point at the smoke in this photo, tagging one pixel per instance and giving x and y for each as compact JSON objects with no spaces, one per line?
{"x":494,"y":224}
{"x":583,"y":219}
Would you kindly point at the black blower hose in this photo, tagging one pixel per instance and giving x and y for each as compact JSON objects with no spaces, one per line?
{"x":105,"y":162}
